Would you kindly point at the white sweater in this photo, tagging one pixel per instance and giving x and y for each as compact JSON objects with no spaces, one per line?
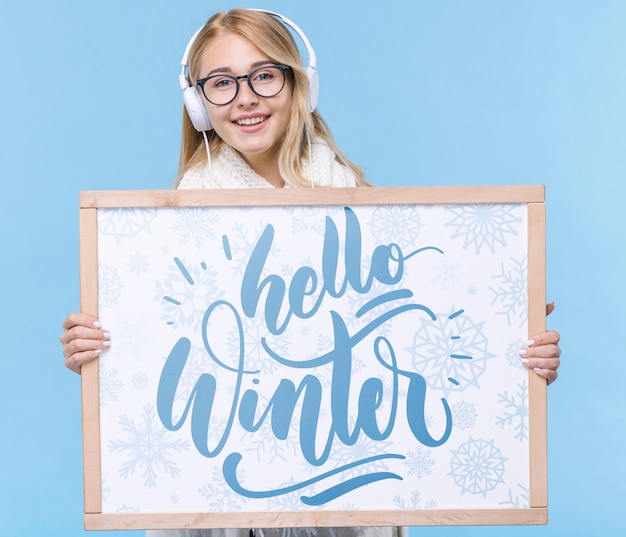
{"x":229,"y":170}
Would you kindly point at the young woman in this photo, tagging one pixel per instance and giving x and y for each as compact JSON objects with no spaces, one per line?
{"x":250,"y":121}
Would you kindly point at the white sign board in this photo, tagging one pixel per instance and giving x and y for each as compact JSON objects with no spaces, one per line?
{"x":346,"y":362}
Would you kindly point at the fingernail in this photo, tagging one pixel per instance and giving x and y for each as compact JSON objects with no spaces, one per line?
{"x":537,"y":369}
{"x":106,"y":343}
{"x":97,"y":324}
{"x":106,"y":335}
{"x":98,"y":351}
{"x":525,"y":360}
{"x":530,"y":342}
{"x":522,"y":352}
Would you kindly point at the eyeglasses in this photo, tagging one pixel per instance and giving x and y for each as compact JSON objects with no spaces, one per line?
{"x":266,"y":81}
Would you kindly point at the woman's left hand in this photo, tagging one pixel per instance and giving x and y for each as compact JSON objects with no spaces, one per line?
{"x":543,"y":353}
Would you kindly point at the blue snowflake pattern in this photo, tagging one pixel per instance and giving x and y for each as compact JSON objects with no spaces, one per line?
{"x":266,"y":445}
{"x":242,"y":241}
{"x":195,"y":225}
{"x":140,"y":380}
{"x":522,"y":499}
{"x":512,"y":354}
{"x":419,"y":462}
{"x":220,"y":495}
{"x":512,"y":292}
{"x":186,"y":292}
{"x":104,"y":489}
{"x":398,"y":224}
{"x":121,"y":223}
{"x":477,"y":466}
{"x":148,"y":446}
{"x":445,"y":273}
{"x":516,"y":411}
{"x":256,"y":356}
{"x":311,"y":218}
{"x":127,"y":510}
{"x":483,"y":225}
{"x":463,"y":415}
{"x":109,"y":383}
{"x":138,"y":264}
{"x":198,"y":363}
{"x":450,"y":352}
{"x":414,"y":502}
{"x":472,"y":290}
{"x":109,"y":286}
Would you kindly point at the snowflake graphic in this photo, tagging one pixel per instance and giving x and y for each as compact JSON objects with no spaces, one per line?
{"x":445,"y":272}
{"x":516,"y":411}
{"x":414,"y":502}
{"x":109,"y":286}
{"x":472,"y":290}
{"x":512,"y":354}
{"x":148,"y":446}
{"x":266,"y":445}
{"x":419,"y":462}
{"x":241,"y":241}
{"x":256,"y":331}
{"x":127,"y":510}
{"x":197,"y":363}
{"x":463,"y":415}
{"x":195,"y":225}
{"x":311,"y":218}
{"x":483,"y":225}
{"x":220,"y":495}
{"x":185,"y":293}
{"x":477,"y":466}
{"x":121,"y":223}
{"x":140,"y":380}
{"x":450,"y":352}
{"x":104,"y":489}
{"x":522,"y":499}
{"x":138,"y":264}
{"x":512,"y":291}
{"x":398,"y":224}
{"x":110,"y":384}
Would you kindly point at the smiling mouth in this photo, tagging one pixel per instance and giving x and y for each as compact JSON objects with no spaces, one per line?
{"x":247,"y":122}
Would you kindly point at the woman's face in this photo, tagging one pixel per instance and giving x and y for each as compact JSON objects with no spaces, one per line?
{"x":250,"y":124}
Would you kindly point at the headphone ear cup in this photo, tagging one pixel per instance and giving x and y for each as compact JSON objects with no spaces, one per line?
{"x":314,"y":87}
{"x":196,"y":110}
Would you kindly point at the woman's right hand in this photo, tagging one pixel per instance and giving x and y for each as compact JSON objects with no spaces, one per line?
{"x":83,"y":340}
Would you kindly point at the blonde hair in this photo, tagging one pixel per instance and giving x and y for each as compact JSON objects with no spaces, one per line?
{"x":272,"y":38}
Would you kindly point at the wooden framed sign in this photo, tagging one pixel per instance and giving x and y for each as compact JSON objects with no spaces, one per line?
{"x":314,"y":357}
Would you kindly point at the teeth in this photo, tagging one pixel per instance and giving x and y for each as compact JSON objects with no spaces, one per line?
{"x":251,"y":121}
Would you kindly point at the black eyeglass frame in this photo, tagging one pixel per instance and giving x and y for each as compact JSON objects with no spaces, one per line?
{"x":283,"y":68}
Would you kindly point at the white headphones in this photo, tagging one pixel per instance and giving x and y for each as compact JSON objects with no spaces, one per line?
{"x":192,"y":95}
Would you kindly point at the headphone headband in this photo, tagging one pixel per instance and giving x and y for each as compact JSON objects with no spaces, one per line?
{"x":193,"y":99}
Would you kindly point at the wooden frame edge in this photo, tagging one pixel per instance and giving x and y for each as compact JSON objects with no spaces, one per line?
{"x":427,"y":517}
{"x":537,"y":385}
{"x":317,"y":196}
{"x":89,"y":371}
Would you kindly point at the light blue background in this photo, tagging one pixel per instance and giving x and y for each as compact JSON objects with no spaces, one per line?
{"x":420,"y":93}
